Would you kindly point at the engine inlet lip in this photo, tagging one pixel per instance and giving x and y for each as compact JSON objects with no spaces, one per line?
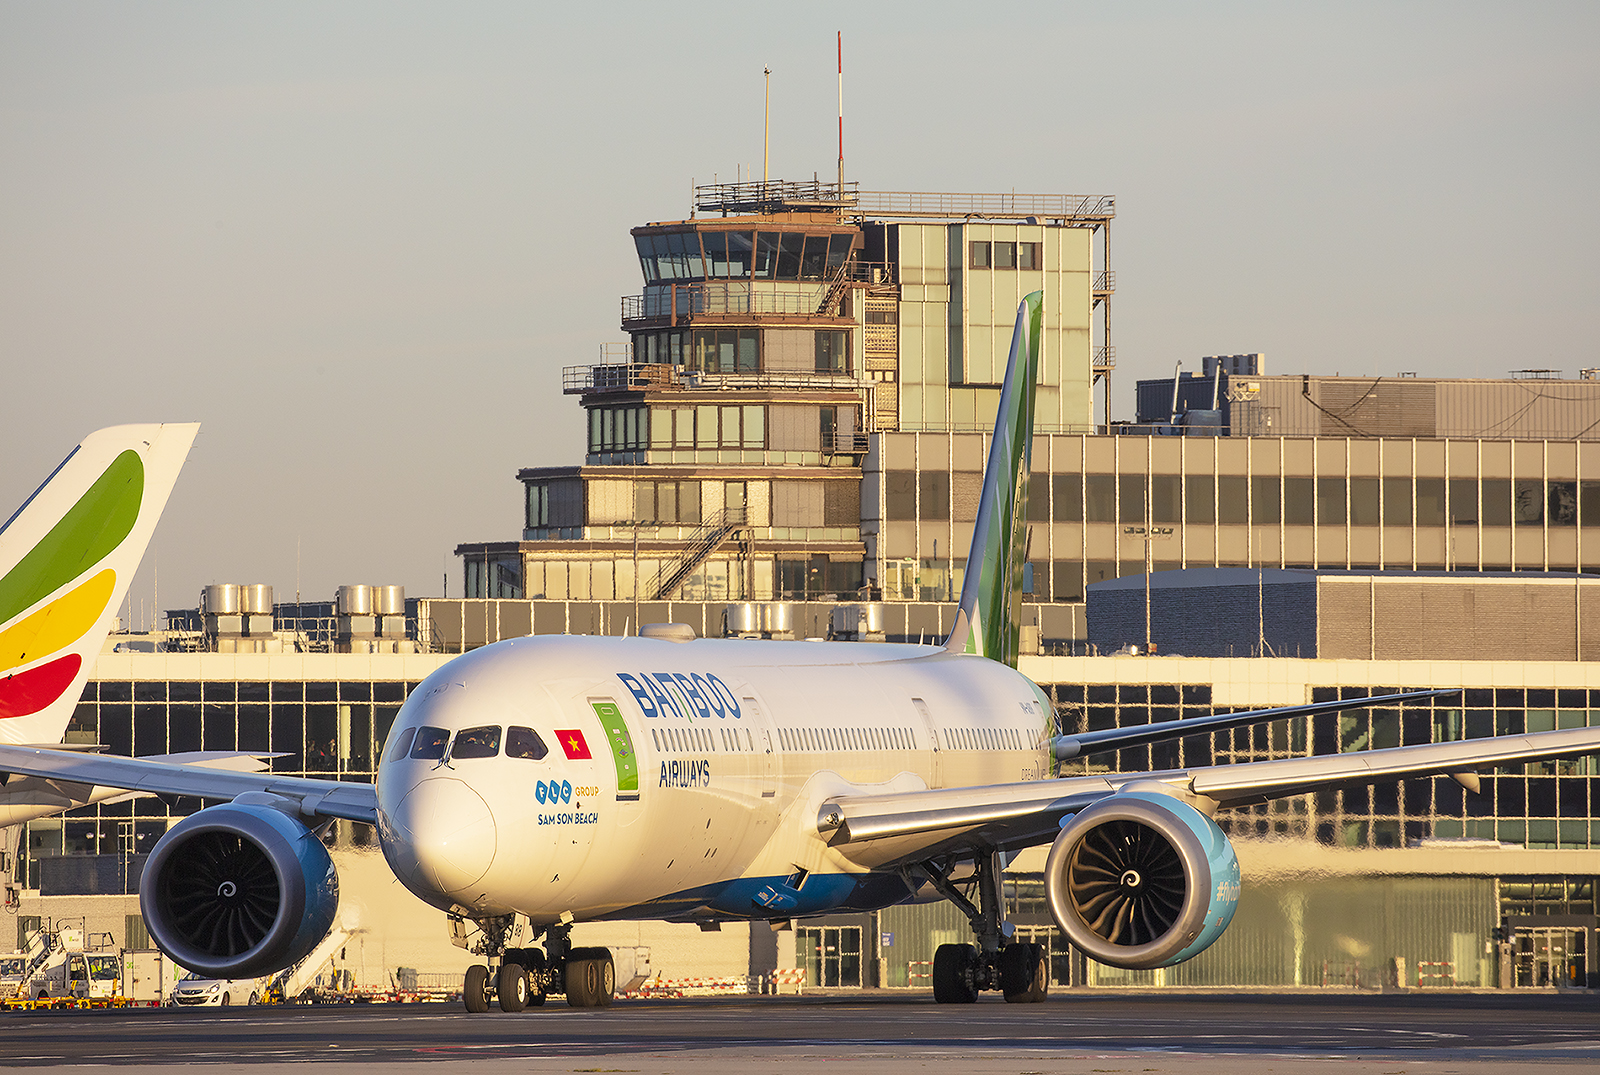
{"x":233,"y":821}
{"x":1197,"y":869}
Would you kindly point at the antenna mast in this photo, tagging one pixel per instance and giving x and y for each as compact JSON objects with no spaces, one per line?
{"x":766,"y":132}
{"x":841,"y":121}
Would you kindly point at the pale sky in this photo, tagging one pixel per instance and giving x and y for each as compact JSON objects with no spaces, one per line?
{"x":358,"y":241}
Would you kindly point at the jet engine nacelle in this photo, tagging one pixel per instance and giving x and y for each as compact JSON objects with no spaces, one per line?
{"x":238,"y":890}
{"x":1142,"y":879}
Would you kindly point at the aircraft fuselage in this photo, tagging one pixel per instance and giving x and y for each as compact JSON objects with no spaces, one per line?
{"x":681,"y":780}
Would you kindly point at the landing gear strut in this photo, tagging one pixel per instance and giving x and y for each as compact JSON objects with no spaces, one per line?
{"x":521,"y":978}
{"x":1019,"y":969}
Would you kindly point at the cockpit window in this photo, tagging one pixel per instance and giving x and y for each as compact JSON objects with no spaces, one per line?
{"x":402,"y":742}
{"x":476,"y":743}
{"x":524,"y":743}
{"x":430,"y":743}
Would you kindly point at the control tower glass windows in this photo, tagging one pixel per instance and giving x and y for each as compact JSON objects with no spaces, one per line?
{"x":766,"y":263}
{"x":998,"y":255}
{"x":710,"y":426}
{"x":669,"y":257}
{"x":814,"y":263}
{"x":667,"y":502}
{"x":728,"y":350}
{"x":715,"y":245}
{"x":838,"y":251}
{"x":619,"y":429}
{"x":660,"y":348}
{"x":790,"y":247}
{"x":538,"y":506}
{"x":729,"y":426}
{"x":741,"y":254}
{"x":833,"y":351}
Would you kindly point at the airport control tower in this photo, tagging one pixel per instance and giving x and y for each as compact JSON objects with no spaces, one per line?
{"x":782,"y":329}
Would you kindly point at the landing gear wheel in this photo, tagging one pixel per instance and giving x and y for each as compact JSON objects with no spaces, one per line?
{"x":591,"y":978}
{"x":1024,"y":973}
{"x":538,"y":980}
{"x":512,"y":987}
{"x":953,"y":971}
{"x":475,"y":989}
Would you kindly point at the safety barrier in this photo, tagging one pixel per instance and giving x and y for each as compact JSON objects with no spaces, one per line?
{"x":1443,"y":973}
{"x":732,"y":985}
{"x":791,"y":980}
{"x":1337,"y":973}
{"x":912,"y":974}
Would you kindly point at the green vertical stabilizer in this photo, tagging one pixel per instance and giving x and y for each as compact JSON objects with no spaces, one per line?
{"x":991,"y":594}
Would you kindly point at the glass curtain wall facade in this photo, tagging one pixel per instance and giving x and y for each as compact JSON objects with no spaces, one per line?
{"x":1240,"y":502}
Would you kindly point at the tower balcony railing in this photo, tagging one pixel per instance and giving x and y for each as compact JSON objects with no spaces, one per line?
{"x":1105,"y":282}
{"x":624,"y":377}
{"x":674,"y":302}
{"x":844,"y":443}
{"x":616,"y":377}
{"x":911,"y":203}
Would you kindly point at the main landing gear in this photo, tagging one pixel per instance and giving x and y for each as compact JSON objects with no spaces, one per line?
{"x":521,"y":978}
{"x":1019,"y":969}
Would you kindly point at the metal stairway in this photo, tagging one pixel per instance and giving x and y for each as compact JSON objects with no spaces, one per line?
{"x":707,"y":539}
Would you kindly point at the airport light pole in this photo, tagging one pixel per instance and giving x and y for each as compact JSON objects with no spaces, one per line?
{"x":1148,"y":533}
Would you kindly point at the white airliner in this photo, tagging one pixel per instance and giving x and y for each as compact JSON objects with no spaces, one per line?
{"x":544,"y":781}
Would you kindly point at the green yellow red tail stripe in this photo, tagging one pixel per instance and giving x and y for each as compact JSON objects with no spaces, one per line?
{"x":66,"y":558}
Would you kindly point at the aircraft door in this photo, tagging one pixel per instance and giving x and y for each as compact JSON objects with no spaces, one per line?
{"x":624,"y":756}
{"x":932,"y":730}
{"x":762,"y":739}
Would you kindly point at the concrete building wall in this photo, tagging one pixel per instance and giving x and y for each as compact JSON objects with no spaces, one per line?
{"x":1314,"y":405}
{"x":956,"y":323}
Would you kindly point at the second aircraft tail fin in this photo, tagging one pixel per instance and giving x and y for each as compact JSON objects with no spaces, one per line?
{"x":66,"y":559}
{"x":989,"y":619}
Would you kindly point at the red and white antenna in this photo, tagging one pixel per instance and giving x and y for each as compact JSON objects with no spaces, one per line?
{"x":841,"y":119}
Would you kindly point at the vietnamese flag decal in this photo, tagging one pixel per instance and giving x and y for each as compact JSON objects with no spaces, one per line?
{"x":573,"y":743}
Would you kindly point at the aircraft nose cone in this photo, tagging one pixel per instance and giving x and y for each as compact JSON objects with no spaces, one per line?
{"x":449,"y":831}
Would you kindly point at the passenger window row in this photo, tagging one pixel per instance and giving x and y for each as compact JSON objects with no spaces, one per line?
{"x":817,"y":739}
{"x":982,"y":739}
{"x":432,"y":744}
{"x":700,"y":740}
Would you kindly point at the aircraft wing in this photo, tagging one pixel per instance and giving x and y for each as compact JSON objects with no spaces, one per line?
{"x":316,"y":798}
{"x":1070,"y":746}
{"x":882,"y":830}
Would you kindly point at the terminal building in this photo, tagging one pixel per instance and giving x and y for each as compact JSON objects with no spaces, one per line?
{"x":790,"y":444}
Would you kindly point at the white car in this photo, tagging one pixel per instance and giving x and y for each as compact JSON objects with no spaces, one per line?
{"x":193,"y":991}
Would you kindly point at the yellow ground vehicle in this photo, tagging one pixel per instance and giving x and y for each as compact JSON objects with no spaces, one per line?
{"x":57,"y":972}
